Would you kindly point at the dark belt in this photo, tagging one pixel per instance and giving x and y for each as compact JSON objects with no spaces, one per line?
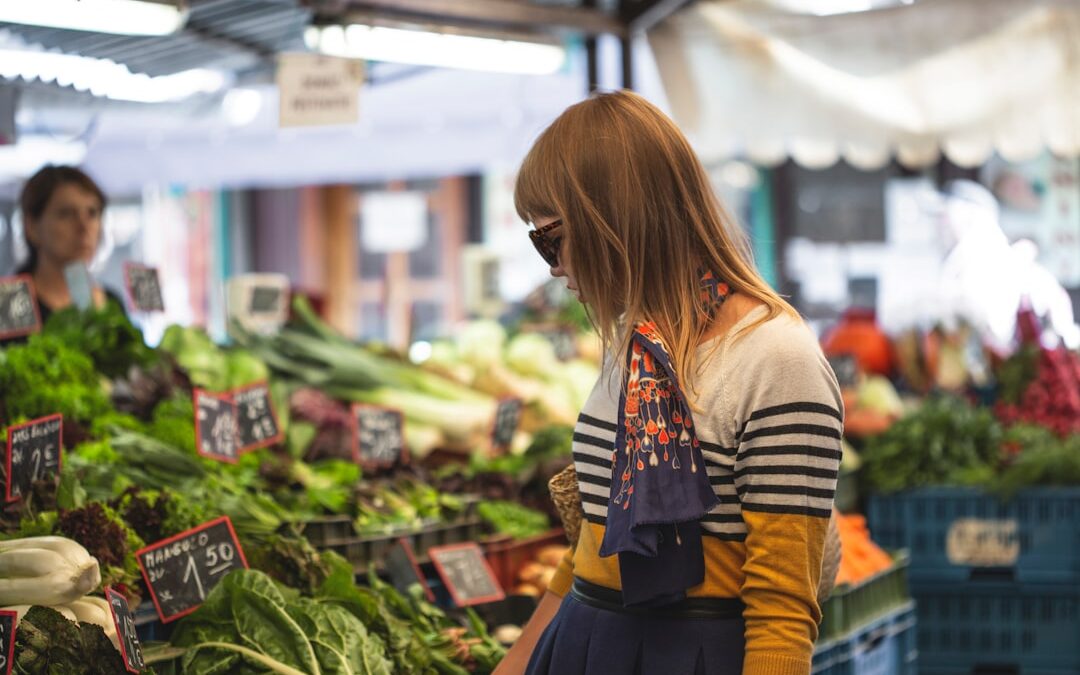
{"x":610,"y":600}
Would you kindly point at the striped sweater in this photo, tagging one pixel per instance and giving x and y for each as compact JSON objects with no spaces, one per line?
{"x":769,"y":423}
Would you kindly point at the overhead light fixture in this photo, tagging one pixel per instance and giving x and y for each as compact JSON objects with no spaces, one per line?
{"x":107,"y":79}
{"x":830,"y":7}
{"x":120,"y":17}
{"x":443,"y":50}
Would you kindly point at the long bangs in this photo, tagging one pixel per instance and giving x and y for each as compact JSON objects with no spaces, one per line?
{"x":535,"y":192}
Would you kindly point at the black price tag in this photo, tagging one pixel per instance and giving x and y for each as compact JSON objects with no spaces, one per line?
{"x":507,"y":419}
{"x":144,"y":288}
{"x":404,"y":571}
{"x":130,"y":649}
{"x":265,"y":300}
{"x":8,"y":619}
{"x":181,"y":571}
{"x":255,"y":417}
{"x":216,"y":431}
{"x":466,"y":574}
{"x":18,"y":307}
{"x":562,"y":341}
{"x":34,"y":451}
{"x":378,"y":435}
{"x":846,"y":369}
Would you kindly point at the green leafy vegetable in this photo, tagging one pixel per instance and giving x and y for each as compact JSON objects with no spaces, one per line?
{"x":48,"y":644}
{"x":46,"y":376}
{"x":105,"y":335}
{"x":513,"y":519}
{"x":248,"y":624}
{"x":944,"y":442}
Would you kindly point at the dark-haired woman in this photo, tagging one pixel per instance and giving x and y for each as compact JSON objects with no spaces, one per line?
{"x":62,"y":209}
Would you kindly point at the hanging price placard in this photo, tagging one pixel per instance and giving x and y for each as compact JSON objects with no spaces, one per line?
{"x":257,"y":423}
{"x":507,"y":419}
{"x":130,"y":648}
{"x":466,"y":574}
{"x":8,"y":619}
{"x":379,"y":438}
{"x":34,"y":451}
{"x":18,"y":307}
{"x":216,"y":431}
{"x":144,"y":288}
{"x":180,"y":571}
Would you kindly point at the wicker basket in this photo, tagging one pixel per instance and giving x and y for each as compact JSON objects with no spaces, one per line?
{"x":564,"y":493}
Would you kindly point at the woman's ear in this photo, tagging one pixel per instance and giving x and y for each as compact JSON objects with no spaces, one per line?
{"x":30,"y":231}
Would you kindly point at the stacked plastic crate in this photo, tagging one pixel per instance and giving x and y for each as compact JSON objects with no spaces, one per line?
{"x":869,"y":628}
{"x":997,"y":583}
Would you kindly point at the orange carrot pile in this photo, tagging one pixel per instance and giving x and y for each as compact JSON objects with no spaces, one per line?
{"x":860,"y":557}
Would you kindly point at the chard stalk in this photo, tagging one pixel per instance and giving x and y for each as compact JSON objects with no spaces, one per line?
{"x":262,"y":659}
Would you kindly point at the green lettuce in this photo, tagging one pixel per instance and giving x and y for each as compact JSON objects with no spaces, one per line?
{"x":249,"y":624}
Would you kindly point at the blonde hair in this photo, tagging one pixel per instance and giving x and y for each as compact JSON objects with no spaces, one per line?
{"x":641,"y":220}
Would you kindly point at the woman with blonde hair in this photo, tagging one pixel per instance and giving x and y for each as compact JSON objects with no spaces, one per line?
{"x":708,"y":451}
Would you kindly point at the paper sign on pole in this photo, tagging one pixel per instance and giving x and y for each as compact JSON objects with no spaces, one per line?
{"x":318,"y":90}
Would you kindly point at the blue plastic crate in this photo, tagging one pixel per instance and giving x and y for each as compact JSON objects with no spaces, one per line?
{"x":994,"y":671}
{"x":148,"y":626}
{"x":884,"y":646}
{"x":999,"y":628}
{"x":961,"y":534}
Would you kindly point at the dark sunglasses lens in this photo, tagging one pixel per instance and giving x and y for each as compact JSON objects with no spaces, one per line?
{"x":550,"y":250}
{"x":547,"y":247}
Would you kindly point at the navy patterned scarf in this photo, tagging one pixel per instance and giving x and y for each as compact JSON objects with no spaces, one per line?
{"x":660,"y":488}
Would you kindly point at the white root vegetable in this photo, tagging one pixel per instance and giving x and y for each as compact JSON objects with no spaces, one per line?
{"x":96,"y":611}
{"x":71,"y":550}
{"x":45,"y":571}
{"x":30,"y":562}
{"x":57,"y":587}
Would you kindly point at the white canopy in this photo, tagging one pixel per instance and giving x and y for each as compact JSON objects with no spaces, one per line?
{"x":963,"y":77}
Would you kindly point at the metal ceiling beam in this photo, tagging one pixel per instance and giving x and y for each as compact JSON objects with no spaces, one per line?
{"x":506,"y":14}
{"x":642,"y":15}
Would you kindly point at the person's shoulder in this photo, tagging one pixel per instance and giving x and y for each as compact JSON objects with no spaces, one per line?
{"x":779,"y":339}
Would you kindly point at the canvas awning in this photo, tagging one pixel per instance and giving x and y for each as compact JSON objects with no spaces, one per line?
{"x":961,"y":77}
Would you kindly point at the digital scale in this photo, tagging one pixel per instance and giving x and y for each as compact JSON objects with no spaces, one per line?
{"x":258,"y":302}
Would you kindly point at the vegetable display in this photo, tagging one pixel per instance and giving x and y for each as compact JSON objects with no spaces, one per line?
{"x":860,"y":557}
{"x":45,"y":571}
{"x":48,"y":642}
{"x":513,"y":519}
{"x":944,"y":441}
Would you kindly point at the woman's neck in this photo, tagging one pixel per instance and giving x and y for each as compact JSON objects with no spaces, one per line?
{"x":51,"y":285}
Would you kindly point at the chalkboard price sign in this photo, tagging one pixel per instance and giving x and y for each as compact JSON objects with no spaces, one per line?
{"x":846,"y":369}
{"x":130,"y":649}
{"x":181,"y":571}
{"x":404,"y":571}
{"x":8,"y":619}
{"x":144,"y":288}
{"x":466,"y":574}
{"x":265,"y":299}
{"x":256,"y":420}
{"x":507,"y":418}
{"x":18,"y":307}
{"x":216,"y":431}
{"x":34,"y":452}
{"x":378,"y":435}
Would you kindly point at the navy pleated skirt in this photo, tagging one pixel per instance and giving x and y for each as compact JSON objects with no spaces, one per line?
{"x":586,"y":640}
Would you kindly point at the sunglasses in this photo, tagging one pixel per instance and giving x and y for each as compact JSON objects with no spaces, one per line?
{"x":546,"y":243}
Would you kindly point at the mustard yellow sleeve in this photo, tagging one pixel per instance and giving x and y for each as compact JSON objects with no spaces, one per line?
{"x":790,"y":424}
{"x":564,"y":575}
{"x":783,"y":568}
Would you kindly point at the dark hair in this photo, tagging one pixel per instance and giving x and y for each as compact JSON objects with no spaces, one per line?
{"x":39,"y":189}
